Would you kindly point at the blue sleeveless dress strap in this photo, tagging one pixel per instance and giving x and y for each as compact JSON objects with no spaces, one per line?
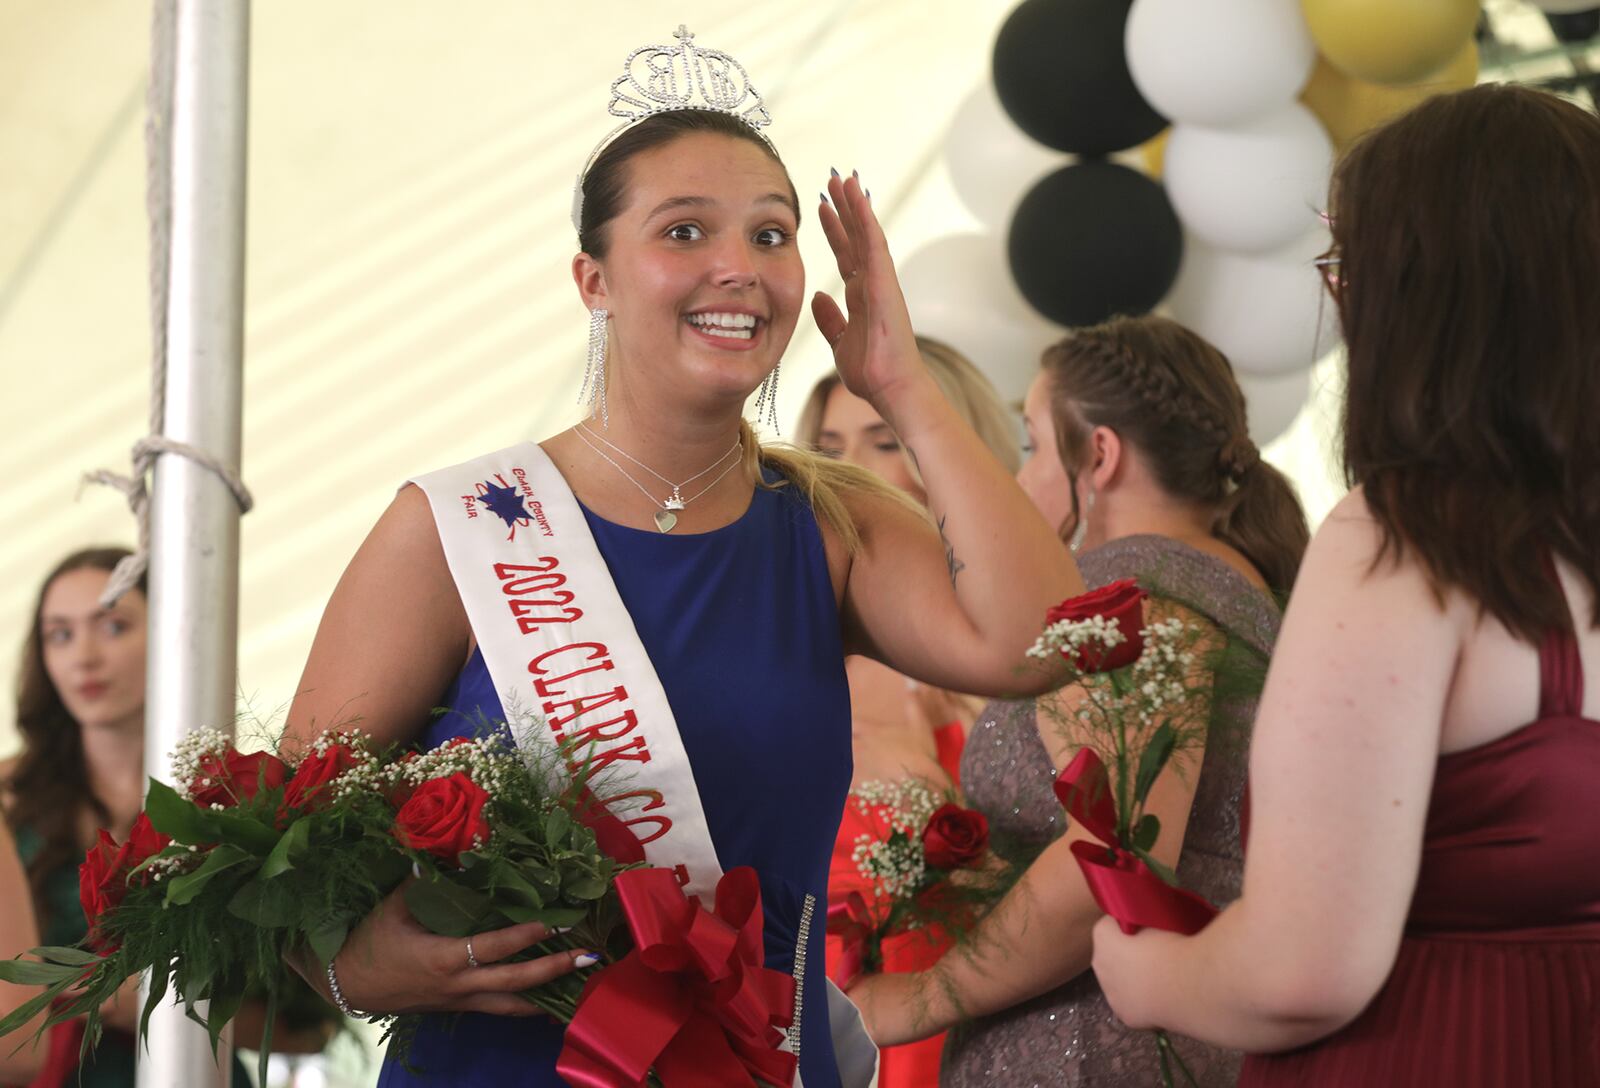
{"x":742,"y":627}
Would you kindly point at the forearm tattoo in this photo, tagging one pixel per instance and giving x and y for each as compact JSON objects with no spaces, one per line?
{"x":956,"y":566}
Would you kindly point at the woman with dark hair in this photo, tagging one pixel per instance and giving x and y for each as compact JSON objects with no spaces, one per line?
{"x":1422,"y":887}
{"x":656,"y":580}
{"x":80,"y":712}
{"x":1140,"y":455}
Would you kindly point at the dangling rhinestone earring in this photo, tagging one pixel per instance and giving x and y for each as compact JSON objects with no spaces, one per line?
{"x":1081,"y":530}
{"x":767,"y":398}
{"x":593,"y":389}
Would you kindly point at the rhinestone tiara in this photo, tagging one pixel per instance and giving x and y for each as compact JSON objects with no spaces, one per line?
{"x":685,"y":76}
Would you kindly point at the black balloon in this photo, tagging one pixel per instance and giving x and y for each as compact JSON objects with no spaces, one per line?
{"x":1574,"y":26}
{"x":1093,"y":240}
{"x":1061,"y":73}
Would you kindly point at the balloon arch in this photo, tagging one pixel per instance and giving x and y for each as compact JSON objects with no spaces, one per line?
{"x":1130,"y":154}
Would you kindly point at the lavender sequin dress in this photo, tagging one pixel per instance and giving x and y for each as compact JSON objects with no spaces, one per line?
{"x":1068,"y":1037}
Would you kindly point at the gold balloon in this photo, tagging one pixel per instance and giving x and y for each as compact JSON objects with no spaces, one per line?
{"x":1348,"y":107}
{"x":1390,"y":41}
{"x":1152,"y":154}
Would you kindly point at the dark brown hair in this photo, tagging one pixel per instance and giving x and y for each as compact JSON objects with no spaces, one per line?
{"x":605,"y":186}
{"x":1173,"y":396}
{"x":1467,"y":235}
{"x":49,"y":787}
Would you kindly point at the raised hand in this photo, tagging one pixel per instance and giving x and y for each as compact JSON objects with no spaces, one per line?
{"x":873,"y":345}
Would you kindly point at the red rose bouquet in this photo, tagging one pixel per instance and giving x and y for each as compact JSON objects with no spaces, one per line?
{"x":1147,"y":689}
{"x":216,"y":882}
{"x":925,"y":860}
{"x":255,"y":858}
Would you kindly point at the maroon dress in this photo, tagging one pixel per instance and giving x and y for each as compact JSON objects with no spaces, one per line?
{"x":1497,"y":982}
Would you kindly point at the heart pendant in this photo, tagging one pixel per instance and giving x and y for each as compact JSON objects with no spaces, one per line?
{"x":665,"y":520}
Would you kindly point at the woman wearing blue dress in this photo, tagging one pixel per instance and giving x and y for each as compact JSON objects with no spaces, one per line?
{"x":749,"y":572}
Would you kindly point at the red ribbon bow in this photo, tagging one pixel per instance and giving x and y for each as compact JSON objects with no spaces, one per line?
{"x":692,"y":1001}
{"x":1122,"y":884}
{"x":615,"y":839}
{"x":850,"y":921}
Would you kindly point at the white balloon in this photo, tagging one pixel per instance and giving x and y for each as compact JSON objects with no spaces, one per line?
{"x":1253,"y":187}
{"x":1266,"y":312}
{"x":1218,"y":62}
{"x":959,"y":290}
{"x":1565,"y":7}
{"x":991,"y":162}
{"x":1274,"y":401}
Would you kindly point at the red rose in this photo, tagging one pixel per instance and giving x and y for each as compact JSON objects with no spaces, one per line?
{"x":144,"y":842}
{"x":102,"y":883}
{"x":1121,"y":601}
{"x":444,"y":816}
{"x":955,"y":837}
{"x":315,"y":772}
{"x":231,"y":777}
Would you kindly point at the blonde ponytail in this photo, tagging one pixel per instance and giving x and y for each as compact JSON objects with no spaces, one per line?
{"x":825,"y":483}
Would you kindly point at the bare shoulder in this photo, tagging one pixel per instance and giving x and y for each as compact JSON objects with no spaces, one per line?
{"x":393,"y":633}
{"x":407,"y":527}
{"x":1361,"y":611}
{"x":403,"y":558}
{"x":1348,"y":550}
{"x":882,"y":521}
{"x":1351,"y":519}
{"x":884,"y":517}
{"x":1350,"y":558}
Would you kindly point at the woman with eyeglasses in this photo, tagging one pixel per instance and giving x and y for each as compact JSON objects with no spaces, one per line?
{"x":1422,"y":879}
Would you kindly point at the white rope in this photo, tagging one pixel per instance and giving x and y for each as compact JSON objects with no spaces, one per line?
{"x":158,"y":208}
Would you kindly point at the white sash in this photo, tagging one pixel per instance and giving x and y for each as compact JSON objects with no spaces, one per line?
{"x":558,"y":640}
{"x":555,"y":635}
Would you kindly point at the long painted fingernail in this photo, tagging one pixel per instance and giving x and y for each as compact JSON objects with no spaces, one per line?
{"x":559,"y":930}
{"x":832,"y":171}
{"x":825,"y":199}
{"x":869,"y":194}
{"x":855,"y":175}
{"x":588,"y":959}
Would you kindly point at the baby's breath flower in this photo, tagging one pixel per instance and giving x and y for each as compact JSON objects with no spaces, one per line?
{"x":190,"y":751}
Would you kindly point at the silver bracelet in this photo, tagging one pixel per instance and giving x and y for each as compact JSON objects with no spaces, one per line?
{"x":338,"y":995}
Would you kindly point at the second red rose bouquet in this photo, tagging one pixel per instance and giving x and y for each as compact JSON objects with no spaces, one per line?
{"x":924,"y":860}
{"x":1145,"y":692}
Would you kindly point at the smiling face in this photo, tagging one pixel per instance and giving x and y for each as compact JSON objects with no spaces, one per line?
{"x":94,"y":656}
{"x":700,"y":271}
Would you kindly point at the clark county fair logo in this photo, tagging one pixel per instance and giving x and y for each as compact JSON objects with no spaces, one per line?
{"x":509,"y":502}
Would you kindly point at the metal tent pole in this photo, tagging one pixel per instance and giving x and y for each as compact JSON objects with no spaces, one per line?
{"x":194,"y":530}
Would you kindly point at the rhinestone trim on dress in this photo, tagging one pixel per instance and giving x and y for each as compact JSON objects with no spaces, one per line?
{"x":808,"y":910}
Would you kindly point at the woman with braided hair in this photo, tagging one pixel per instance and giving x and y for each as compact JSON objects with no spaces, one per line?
{"x":1141,"y":457}
{"x":1421,"y":899}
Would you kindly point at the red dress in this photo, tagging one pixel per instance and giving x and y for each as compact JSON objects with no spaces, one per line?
{"x":1497,"y":982}
{"x":912,"y":1065}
